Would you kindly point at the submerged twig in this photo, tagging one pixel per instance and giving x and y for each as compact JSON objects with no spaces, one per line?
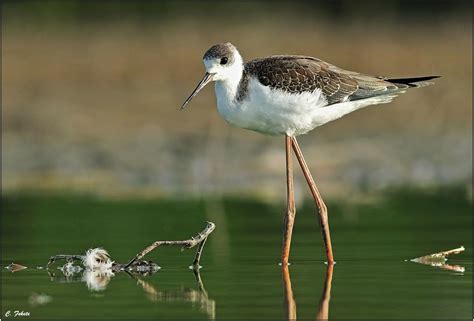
{"x":200,"y":239}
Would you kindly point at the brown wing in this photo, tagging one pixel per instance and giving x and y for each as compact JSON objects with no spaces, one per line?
{"x":297,"y":74}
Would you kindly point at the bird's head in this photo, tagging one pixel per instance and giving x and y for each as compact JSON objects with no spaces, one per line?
{"x":222,"y":62}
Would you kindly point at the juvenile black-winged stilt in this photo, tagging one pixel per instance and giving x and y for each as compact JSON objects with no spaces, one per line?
{"x":291,"y":95}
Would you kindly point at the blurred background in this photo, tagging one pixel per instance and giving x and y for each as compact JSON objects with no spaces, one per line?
{"x":91,"y":94}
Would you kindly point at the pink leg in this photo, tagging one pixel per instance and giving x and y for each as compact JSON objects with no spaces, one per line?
{"x":323,"y":212}
{"x":289,"y":218}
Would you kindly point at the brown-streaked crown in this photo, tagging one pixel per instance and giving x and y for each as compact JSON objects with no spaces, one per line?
{"x":220,"y":51}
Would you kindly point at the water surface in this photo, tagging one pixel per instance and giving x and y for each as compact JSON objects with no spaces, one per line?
{"x":240,"y":277}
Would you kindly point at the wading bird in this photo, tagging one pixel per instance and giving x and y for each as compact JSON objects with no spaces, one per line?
{"x":289,"y":96}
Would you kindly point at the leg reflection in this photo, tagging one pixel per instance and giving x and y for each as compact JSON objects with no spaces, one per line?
{"x":289,"y":300}
{"x":290,"y":303}
{"x":323,"y":312}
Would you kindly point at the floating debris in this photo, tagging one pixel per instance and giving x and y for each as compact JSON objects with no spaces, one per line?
{"x":98,"y":267}
{"x":67,"y":257}
{"x":439,"y":257}
{"x":99,"y":258}
{"x":69,"y":269}
{"x":439,"y":260}
{"x":65,"y":277}
{"x":37,"y":299}
{"x":144,"y":267}
{"x":14,"y":267}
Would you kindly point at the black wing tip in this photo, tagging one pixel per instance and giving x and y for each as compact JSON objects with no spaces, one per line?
{"x":411,"y":81}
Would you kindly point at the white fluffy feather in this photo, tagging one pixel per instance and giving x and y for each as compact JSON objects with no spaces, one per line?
{"x":97,"y":259}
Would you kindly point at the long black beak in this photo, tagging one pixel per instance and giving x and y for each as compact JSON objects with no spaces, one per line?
{"x":207,"y":78}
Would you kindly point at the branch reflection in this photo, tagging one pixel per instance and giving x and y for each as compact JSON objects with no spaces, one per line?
{"x":200,"y":296}
{"x":98,"y":280}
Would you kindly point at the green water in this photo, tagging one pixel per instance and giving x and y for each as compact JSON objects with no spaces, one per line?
{"x":241,"y":278}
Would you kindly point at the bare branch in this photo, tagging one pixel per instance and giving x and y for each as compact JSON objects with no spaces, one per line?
{"x":66,"y":257}
{"x":200,"y":238}
{"x":438,"y":257}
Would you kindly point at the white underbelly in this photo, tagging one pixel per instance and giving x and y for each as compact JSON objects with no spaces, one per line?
{"x":275,"y":112}
{"x":270,"y":111}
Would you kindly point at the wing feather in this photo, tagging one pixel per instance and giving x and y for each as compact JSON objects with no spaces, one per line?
{"x":297,"y":74}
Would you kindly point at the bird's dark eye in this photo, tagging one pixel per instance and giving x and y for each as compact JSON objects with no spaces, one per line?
{"x":224,"y":60}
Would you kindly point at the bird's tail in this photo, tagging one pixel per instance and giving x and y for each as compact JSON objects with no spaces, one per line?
{"x":412,"y":82}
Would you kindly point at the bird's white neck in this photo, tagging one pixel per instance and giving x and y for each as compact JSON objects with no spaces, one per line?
{"x":226,"y":90}
{"x":228,"y":86}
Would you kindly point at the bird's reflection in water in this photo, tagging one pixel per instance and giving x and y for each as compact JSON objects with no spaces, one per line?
{"x":323,"y":312}
{"x":98,"y":280}
{"x":290,"y":303}
{"x":289,"y":300}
